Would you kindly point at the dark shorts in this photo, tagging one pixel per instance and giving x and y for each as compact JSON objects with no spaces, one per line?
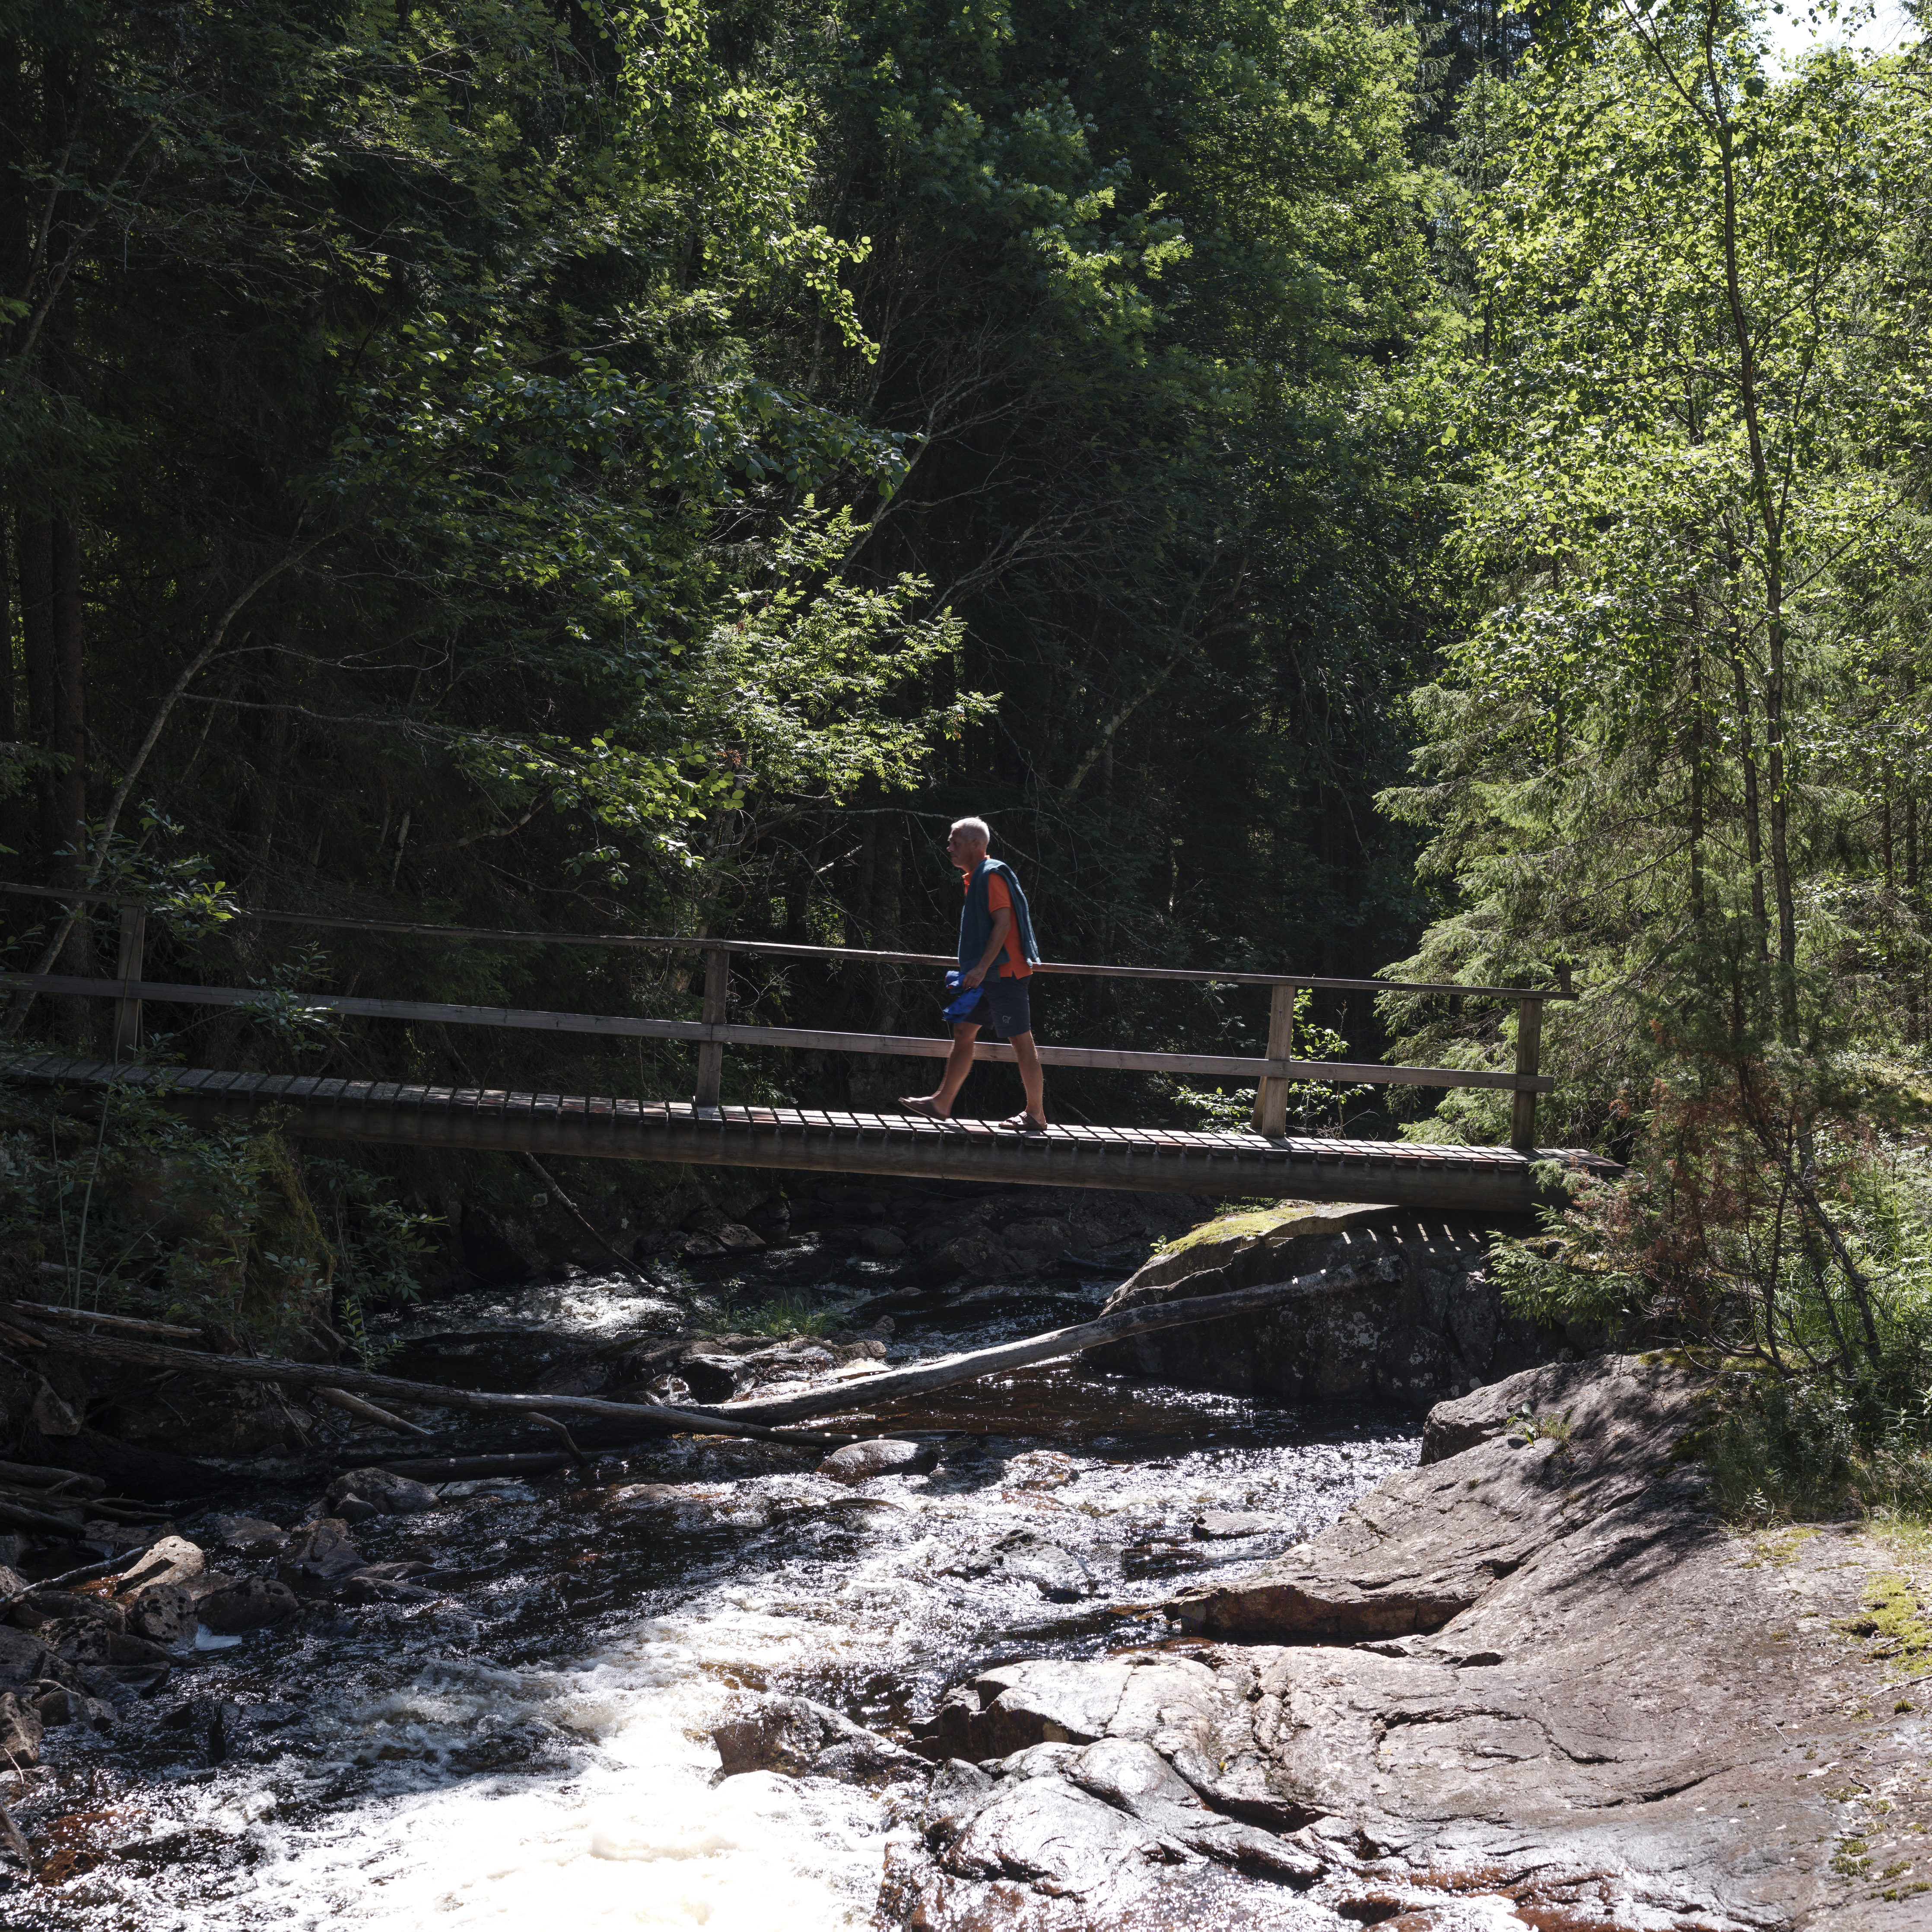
{"x":1005,"y":1006}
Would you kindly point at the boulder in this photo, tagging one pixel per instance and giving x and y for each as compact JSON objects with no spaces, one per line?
{"x":1229,"y":1525}
{"x":787,"y":1362}
{"x":86,"y":1644}
{"x":800,"y":1738}
{"x":20,"y":1729}
{"x":1005,"y":1710}
{"x":171,"y":1559}
{"x":253,"y":1602}
{"x":24,"y":1659}
{"x":955,"y":1796}
{"x":1623,"y":1724}
{"x":61,"y":1706}
{"x":1430,"y":1543}
{"x":163,"y":1614}
{"x":881,"y":1243}
{"x":39,"y":1607}
{"x":1130,"y":1774}
{"x":382,"y":1493}
{"x":249,"y":1536}
{"x":883,"y":1456}
{"x":1413,"y":1315}
{"x":731,"y":1236}
{"x":56,"y":1414}
{"x":709,"y":1378}
{"x":1058,"y":1575}
{"x":386,"y":1583}
{"x":321,"y":1551}
{"x":692,"y":1510}
{"x":1062,"y":1841}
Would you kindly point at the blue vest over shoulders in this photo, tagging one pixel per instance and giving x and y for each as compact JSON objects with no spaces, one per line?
{"x":975,"y":921}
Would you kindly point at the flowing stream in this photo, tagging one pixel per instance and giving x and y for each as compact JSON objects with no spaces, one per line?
{"x":530,"y":1745}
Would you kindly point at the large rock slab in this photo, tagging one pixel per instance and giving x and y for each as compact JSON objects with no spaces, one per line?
{"x":1620,"y":1721}
{"x":1428,"y":1544}
{"x":1413,"y":1315}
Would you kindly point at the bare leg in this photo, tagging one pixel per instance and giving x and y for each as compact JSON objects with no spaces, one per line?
{"x":959,"y":1064}
{"x":1033,"y":1076}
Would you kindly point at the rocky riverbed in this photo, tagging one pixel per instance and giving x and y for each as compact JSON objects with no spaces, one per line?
{"x":1077,"y":1649}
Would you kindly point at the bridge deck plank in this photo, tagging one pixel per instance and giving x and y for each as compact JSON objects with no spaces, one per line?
{"x":1087,"y":1155}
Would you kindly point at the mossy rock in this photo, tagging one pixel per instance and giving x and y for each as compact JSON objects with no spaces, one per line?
{"x":1216,"y":1243}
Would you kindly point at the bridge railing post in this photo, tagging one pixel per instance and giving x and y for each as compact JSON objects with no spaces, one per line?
{"x":1271,"y":1114}
{"x":711,"y":1053}
{"x":1528,"y":1055}
{"x":128,"y":967}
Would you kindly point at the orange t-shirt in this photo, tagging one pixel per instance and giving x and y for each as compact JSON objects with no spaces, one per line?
{"x":998,"y":899}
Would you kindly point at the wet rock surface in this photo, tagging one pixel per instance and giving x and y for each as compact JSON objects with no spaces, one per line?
{"x":1097,"y":1653}
{"x":1414,"y":1317}
{"x":802,"y":1739}
{"x":1590,"y":1713}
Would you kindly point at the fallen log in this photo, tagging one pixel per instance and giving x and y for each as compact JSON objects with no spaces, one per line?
{"x":651,"y":1419}
{"x":753,"y":1417}
{"x":126,"y":1324}
{"x":38,"y":1476}
{"x":895,"y":1385}
{"x":355,"y":1405}
{"x":466,"y":1468}
{"x":67,"y":1528}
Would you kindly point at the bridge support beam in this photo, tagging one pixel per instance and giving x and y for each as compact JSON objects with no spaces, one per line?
{"x":1528,"y":1053}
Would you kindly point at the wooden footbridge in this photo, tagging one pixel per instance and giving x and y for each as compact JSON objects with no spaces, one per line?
{"x":1265,"y":1161}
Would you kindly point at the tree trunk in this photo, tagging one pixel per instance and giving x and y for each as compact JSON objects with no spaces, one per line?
{"x":70,"y":709}
{"x":1781,"y":852}
{"x":1697,"y":789}
{"x":37,"y":626}
{"x":14,"y":818}
{"x":1753,"y":817}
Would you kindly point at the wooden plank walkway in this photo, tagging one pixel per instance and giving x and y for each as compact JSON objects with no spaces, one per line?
{"x":1485,"y":1179}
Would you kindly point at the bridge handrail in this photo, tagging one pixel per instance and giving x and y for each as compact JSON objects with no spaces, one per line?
{"x":713,"y":1032}
{"x":688,"y":943}
{"x":912,"y":1046}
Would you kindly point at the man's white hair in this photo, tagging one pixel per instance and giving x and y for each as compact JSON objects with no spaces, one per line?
{"x":975,"y":828}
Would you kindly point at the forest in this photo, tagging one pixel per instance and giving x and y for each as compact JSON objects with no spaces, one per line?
{"x":1430,"y":490}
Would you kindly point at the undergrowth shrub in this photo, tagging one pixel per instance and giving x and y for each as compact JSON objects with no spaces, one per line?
{"x":784,"y":1316}
{"x":1775,"y":1225}
{"x":110,"y":1201}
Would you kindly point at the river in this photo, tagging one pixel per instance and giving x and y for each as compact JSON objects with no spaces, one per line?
{"x":529,"y":1744}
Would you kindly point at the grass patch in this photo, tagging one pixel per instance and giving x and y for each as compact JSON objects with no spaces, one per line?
{"x":1531,"y":1427}
{"x":784,"y":1316}
{"x":1893,"y":1620}
{"x":1779,"y":1452}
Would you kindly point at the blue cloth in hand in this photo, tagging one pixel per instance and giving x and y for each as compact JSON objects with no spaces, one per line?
{"x":962,"y":1008}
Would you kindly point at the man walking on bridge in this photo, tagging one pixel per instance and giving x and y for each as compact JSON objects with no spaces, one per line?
{"x":995,"y":938}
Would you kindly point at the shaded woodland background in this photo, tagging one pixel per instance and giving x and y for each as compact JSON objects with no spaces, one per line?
{"x":1322,"y":478}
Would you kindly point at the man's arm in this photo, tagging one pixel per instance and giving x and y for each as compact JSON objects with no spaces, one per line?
{"x":1002,"y":920}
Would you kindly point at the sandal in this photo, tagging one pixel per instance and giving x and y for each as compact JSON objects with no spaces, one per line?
{"x":1022,"y":1124}
{"x":923,"y":1108}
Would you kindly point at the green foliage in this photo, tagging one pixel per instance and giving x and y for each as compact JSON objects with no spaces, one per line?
{"x":117,"y":1204}
{"x":784,"y":1316}
{"x":1670,"y":752}
{"x":1791,"y":1451}
{"x":1309,"y":1101}
{"x":376,"y":1241}
{"x":295,"y":1024}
